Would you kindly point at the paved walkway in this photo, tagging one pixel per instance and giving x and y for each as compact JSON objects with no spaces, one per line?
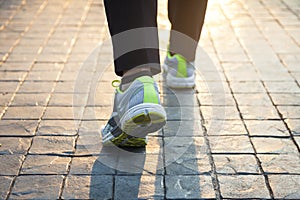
{"x":237,"y":135}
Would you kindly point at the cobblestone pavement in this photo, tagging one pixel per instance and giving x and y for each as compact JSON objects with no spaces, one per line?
{"x":237,"y":135}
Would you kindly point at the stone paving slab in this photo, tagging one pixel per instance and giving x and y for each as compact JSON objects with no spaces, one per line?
{"x":236,"y":135}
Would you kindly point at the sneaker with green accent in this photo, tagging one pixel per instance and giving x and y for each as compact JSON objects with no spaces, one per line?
{"x":137,"y":112}
{"x":179,"y":72}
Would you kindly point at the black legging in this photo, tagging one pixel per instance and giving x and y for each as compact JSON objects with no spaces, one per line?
{"x":186,"y":17}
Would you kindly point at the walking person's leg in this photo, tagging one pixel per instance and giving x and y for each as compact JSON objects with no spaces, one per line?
{"x":137,"y":110}
{"x":187,"y":18}
{"x":125,"y":16}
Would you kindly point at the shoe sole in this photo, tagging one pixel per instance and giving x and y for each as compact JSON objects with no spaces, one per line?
{"x":143,"y":119}
{"x":180,"y":83}
{"x":125,"y":140}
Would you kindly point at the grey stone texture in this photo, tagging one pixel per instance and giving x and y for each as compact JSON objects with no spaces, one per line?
{"x":243,"y":186}
{"x":285,"y":186}
{"x":37,"y":187}
{"x":236,"y":135}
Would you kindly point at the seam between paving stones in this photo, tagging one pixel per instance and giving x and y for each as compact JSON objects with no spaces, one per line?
{"x":278,"y":22}
{"x":214,"y":175}
{"x":281,"y":117}
{"x":74,"y":40}
{"x":22,"y":4}
{"x":237,"y":106}
{"x":281,"y":25}
{"x":1,"y":114}
{"x":82,"y":20}
{"x":278,"y":112}
{"x":283,"y":28}
{"x":263,"y":83}
{"x":259,"y":29}
{"x":291,"y":10}
{"x":164,"y":164}
{"x":42,"y":7}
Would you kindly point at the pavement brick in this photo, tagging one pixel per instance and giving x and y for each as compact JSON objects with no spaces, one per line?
{"x":285,"y":186}
{"x":68,"y":99}
{"x":17,"y":127}
{"x":266,"y":128}
{"x":182,"y":128}
{"x":125,"y":166}
{"x":241,"y":118}
{"x":282,"y":87}
{"x":139,"y":187}
{"x":47,"y":165}
{"x":186,"y":146}
{"x":5,"y":99}
{"x":260,"y":99}
{"x":16,"y":66}
{"x":94,"y":165}
{"x":274,"y":145}
{"x":14,"y":145}
{"x":178,"y":100}
{"x":289,"y":112}
{"x":46,"y":67}
{"x":36,"y":87}
{"x":23,"y":113}
{"x":259,"y":112}
{"x":59,"y":113}
{"x":278,"y":163}
{"x":182,"y":113}
{"x":10,"y":164}
{"x":150,"y":187}
{"x":296,"y":75}
{"x":154,"y":164}
{"x":189,"y":187}
{"x":207,"y":99}
{"x":11,"y":76}
{"x":40,"y":187}
{"x":297,"y":139}
{"x":65,"y":87}
{"x":189,"y":166}
{"x":156,"y":143}
{"x":236,"y":164}
{"x":42,"y":76}
{"x":8,"y":87}
{"x":225,"y":127}
{"x":294,"y":126}
{"x":88,"y":187}
{"x":30,"y":99}
{"x":247,"y":87}
{"x":5,"y":182}
{"x":57,"y":127}
{"x":92,"y":113}
{"x":275,"y":76}
{"x":220,"y":112}
{"x":243,"y":186}
{"x":230,"y":144}
{"x":89,"y":143}
{"x":212,"y":87}
{"x":100,"y":99}
{"x":52,"y":145}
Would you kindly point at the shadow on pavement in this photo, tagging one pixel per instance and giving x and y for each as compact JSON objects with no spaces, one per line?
{"x":171,"y":164}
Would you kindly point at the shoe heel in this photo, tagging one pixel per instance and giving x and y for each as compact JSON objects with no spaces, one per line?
{"x":146,"y":118}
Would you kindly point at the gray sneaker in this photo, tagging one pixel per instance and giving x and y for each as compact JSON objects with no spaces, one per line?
{"x":137,"y":112}
{"x":180,"y":73}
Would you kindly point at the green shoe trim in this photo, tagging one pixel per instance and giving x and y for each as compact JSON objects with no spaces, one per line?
{"x":150,"y":95}
{"x":182,"y":68}
{"x":124,"y":140}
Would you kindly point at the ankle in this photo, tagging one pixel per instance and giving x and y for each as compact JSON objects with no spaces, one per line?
{"x":136,"y":70}
{"x":132,"y":74}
